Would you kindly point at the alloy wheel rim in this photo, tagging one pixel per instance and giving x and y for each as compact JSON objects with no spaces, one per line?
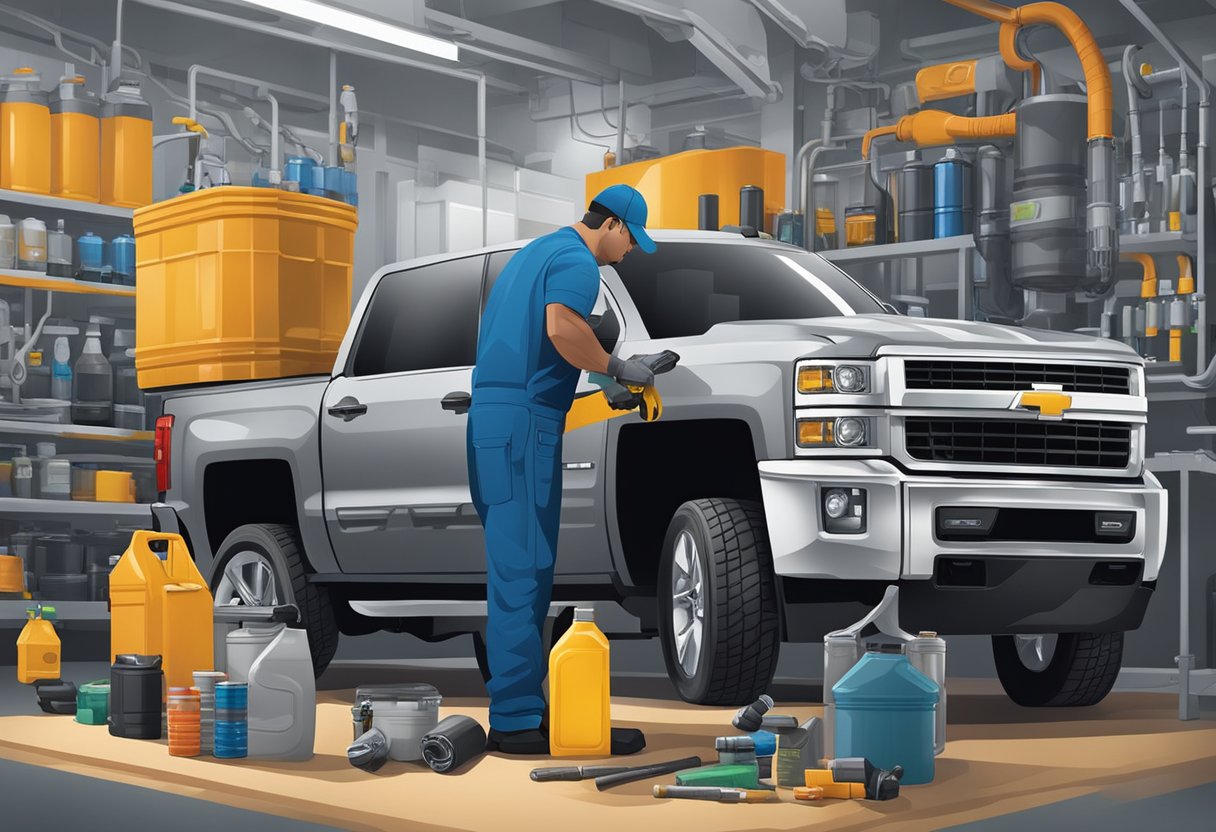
{"x":688,"y":604}
{"x":248,"y":580}
{"x":1036,"y":651}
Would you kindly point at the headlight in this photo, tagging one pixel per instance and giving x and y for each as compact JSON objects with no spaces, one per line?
{"x":836,"y":432}
{"x":827,"y":378}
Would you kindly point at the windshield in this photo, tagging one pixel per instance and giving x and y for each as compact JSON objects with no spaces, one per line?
{"x":685,"y":288}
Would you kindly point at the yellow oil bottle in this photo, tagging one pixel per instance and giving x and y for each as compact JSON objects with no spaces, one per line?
{"x":38,"y":647}
{"x":75,"y":141}
{"x":580,"y":722}
{"x":126,"y":147}
{"x":25,"y":134}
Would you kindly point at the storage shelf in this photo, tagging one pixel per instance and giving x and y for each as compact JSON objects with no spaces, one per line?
{"x":52,"y":509}
{"x":894,"y":251}
{"x":36,"y":280}
{"x":76,"y":431}
{"x":74,"y":206}
{"x":14,"y":610}
{"x":1160,"y":242}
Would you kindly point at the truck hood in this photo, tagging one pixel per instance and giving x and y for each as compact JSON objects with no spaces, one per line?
{"x":860,"y":336}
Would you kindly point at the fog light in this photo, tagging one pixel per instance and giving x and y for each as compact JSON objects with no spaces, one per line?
{"x":850,"y":431}
{"x":836,"y":503}
{"x":844,"y":510}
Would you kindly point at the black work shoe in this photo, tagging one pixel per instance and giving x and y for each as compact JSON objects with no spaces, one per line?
{"x":627,"y":741}
{"x":528,"y":741}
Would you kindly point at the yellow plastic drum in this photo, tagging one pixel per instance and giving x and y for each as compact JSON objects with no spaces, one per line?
{"x":126,"y":147}
{"x":238,"y":284}
{"x":671,"y":184}
{"x":75,"y":142}
{"x":25,"y":134}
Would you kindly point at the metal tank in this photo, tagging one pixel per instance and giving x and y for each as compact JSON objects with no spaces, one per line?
{"x":1047,"y":216}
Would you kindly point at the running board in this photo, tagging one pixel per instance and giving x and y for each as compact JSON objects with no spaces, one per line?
{"x":610,"y":616}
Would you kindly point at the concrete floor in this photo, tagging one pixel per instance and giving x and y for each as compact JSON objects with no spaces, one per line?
{"x":34,"y":794}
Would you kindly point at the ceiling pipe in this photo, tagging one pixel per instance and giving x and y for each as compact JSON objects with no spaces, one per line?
{"x":261,"y":90}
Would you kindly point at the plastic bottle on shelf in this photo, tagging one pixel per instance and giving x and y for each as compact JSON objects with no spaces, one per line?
{"x":61,"y":371}
{"x":93,"y":383}
{"x":122,"y":254}
{"x":23,"y":476}
{"x":56,"y":480}
{"x":31,"y":245}
{"x":92,"y":256}
{"x":45,"y":452}
{"x":8,"y":243}
{"x":58,"y":252}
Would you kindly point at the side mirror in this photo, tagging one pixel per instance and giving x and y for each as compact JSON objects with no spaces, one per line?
{"x":607,"y":328}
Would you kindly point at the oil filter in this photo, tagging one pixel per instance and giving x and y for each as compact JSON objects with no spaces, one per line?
{"x":1047,"y":215}
{"x":369,"y":751}
{"x":707,"y":212}
{"x":915,"y":200}
{"x":751,"y":207}
{"x":452,"y":743}
{"x":952,"y":203}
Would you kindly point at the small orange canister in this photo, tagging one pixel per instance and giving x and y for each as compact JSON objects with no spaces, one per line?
{"x":185,"y":726}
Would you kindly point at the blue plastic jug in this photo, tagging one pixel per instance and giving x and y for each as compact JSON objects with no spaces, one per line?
{"x":953,"y":212}
{"x":299,"y":169}
{"x":334,"y":185}
{"x":885,"y":712}
{"x":122,"y":250}
{"x":92,"y":256}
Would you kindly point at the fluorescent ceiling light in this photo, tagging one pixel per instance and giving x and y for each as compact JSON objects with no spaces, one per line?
{"x":359,"y":24}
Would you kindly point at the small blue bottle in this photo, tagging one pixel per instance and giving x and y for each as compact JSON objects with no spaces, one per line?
{"x":122,"y":250}
{"x":91,"y":249}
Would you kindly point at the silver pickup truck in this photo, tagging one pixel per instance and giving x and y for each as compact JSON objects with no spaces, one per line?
{"x":814,"y":448}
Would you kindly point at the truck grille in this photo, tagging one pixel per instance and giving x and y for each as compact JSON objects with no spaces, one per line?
{"x":1019,"y":442}
{"x":1004,"y":375}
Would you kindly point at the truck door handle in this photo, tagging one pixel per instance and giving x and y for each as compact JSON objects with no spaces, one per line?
{"x":349,"y":408}
{"x":457,"y":402}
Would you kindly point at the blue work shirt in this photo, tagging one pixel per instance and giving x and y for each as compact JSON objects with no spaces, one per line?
{"x":514,"y":354}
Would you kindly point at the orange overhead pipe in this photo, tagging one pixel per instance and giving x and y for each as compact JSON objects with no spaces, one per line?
{"x":1148,"y":283}
{"x":1009,"y":52}
{"x":931,"y":128}
{"x":1097,"y":74}
{"x":1186,"y":275}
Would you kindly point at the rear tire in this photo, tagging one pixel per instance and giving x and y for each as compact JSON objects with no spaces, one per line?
{"x":717,"y":594}
{"x":1079,"y":672}
{"x":274,"y":551}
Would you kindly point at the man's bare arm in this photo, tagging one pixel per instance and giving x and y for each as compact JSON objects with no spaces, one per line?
{"x":573,"y":339}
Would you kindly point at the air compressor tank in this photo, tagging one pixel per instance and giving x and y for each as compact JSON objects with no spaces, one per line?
{"x":75,"y":141}
{"x":126,"y":147}
{"x":25,"y":134}
{"x":915,"y":200}
{"x":953,"y":207}
{"x":1047,"y":214}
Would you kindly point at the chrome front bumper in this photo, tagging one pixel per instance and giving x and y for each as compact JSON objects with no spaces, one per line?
{"x":900,"y":542}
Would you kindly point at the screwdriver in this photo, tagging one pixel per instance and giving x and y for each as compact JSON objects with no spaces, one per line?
{"x":714,"y":793}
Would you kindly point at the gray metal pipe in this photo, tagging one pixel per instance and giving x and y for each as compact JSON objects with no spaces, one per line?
{"x":261,"y":90}
{"x":481,"y":160}
{"x":620,"y":117}
{"x":1139,"y":197}
{"x":333,"y":107}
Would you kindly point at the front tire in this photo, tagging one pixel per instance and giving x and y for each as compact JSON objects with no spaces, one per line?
{"x":262,"y":564}
{"x":1058,"y":671}
{"x":718,"y":617}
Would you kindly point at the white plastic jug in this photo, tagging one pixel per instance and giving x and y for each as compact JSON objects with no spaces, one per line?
{"x":243,"y":647}
{"x":283,"y":699}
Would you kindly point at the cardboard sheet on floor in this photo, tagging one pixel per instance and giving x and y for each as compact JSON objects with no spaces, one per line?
{"x":1000,"y":759}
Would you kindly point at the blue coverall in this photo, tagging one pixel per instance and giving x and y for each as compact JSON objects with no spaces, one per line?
{"x":522,"y":389}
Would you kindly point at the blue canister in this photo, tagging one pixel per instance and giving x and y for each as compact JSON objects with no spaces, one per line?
{"x":91,"y":251}
{"x":952,"y":204}
{"x":766,"y":743}
{"x":122,"y":256}
{"x":299,"y":169}
{"x":316,"y":186}
{"x":885,"y":713}
{"x":334,"y":185}
{"x":350,"y":187}
{"x":231,"y":720}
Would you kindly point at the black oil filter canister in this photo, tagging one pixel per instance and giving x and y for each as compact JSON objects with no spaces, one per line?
{"x":136,"y":686}
{"x":1047,"y":214}
{"x":707,"y":212}
{"x":915,"y":201}
{"x":453,"y":742}
{"x":751,"y":207}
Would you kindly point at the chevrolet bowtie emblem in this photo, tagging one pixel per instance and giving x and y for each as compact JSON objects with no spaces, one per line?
{"x":1047,"y":403}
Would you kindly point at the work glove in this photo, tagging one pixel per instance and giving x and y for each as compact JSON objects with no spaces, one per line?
{"x":630,"y":371}
{"x":619,"y":396}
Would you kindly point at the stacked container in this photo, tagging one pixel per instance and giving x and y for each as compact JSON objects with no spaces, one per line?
{"x":184,"y":724}
{"x":205,"y":681}
{"x":126,"y":147}
{"x":75,"y":140}
{"x":136,"y":685}
{"x":25,"y":134}
{"x":231,"y":720}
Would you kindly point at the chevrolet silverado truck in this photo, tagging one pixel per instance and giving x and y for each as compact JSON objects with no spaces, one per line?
{"x":814,"y":448}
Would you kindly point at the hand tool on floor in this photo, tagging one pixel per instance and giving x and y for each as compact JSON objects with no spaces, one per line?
{"x":751,"y":717}
{"x":574,"y":773}
{"x":808,"y":793}
{"x":635,"y":773}
{"x":616,"y":399}
{"x":711,"y":793}
{"x":880,"y":784}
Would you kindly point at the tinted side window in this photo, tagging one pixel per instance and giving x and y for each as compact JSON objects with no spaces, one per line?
{"x":422,"y":319}
{"x":498,"y":260}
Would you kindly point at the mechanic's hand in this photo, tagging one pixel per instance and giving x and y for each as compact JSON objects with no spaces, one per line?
{"x":632,"y":371}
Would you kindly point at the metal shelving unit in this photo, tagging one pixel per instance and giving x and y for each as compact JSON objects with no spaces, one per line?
{"x":87,"y":432}
{"x":36,"y":280}
{"x":70,"y":206}
{"x":14,"y":610}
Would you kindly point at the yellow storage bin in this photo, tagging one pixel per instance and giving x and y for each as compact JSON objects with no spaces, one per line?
{"x":238,"y":284}
{"x":162,"y":608}
{"x":671,"y":184}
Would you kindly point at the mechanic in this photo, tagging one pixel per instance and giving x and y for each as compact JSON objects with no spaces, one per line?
{"x":533,"y":342}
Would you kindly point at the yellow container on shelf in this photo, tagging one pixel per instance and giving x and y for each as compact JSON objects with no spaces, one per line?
{"x":25,"y":134}
{"x":672,"y":184}
{"x":12,"y":574}
{"x":241,"y":283}
{"x":75,"y":141}
{"x":580,"y":721}
{"x":161,"y":607}
{"x":126,"y":147}
{"x":38,"y":647}
{"x":114,"y":487}
{"x":859,"y":224}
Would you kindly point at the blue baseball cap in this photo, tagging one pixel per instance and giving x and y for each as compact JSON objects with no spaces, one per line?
{"x":629,"y":206}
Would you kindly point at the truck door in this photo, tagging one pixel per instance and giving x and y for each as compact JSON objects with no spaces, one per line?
{"x":395,"y":472}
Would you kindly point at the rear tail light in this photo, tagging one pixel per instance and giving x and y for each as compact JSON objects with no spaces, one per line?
{"x":161,"y":449}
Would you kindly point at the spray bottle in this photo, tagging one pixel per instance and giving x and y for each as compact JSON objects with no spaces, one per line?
{"x":61,"y":371}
